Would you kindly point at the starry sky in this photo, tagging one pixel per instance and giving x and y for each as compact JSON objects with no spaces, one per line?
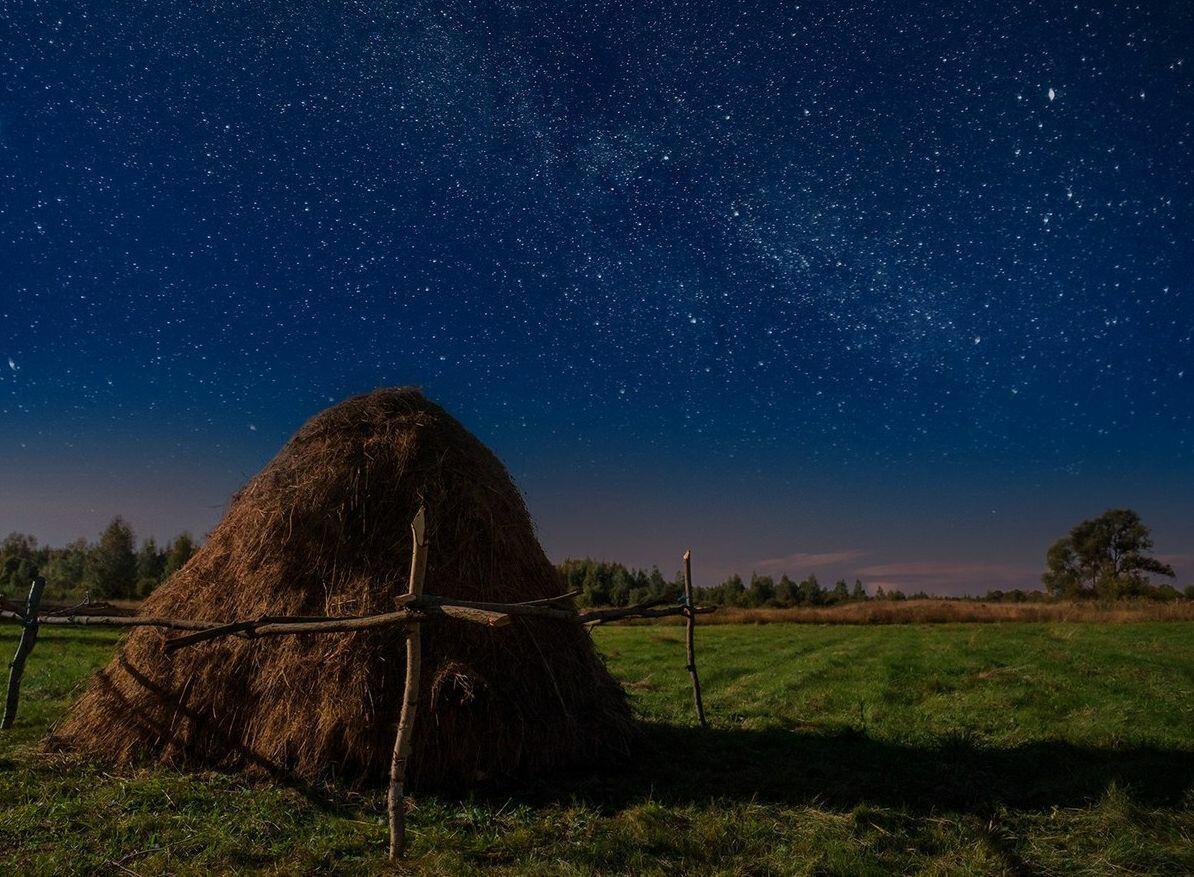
{"x":896,"y":290}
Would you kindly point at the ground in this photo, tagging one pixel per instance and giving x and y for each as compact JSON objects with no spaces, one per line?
{"x":943,"y":749}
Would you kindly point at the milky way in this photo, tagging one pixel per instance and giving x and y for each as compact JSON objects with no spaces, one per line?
{"x":758,"y":238}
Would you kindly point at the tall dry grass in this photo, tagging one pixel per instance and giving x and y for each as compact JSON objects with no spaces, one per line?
{"x":957,"y":611}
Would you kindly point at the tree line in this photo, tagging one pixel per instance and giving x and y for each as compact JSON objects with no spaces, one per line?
{"x":1105,"y":558}
{"x":115,"y":567}
{"x":606,"y":583}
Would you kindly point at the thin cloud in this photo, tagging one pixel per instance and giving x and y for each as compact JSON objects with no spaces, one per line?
{"x":804,"y":560}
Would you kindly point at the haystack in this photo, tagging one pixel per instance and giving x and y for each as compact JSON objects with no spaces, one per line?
{"x":324,"y":530}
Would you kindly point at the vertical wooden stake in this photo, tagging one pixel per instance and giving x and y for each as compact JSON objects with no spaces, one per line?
{"x":396,"y":802}
{"x":16,"y":669}
{"x":691,"y":617}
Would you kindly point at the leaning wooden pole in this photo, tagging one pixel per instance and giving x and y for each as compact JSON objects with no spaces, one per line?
{"x":16,"y":669}
{"x":690,"y":616}
{"x":410,"y":694}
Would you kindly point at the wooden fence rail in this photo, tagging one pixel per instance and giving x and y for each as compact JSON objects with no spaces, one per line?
{"x":413,"y":608}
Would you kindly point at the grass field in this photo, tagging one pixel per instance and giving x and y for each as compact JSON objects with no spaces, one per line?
{"x":941,"y":749}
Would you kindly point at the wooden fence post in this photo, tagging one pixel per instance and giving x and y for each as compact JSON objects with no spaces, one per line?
{"x":690,"y":615}
{"x":16,"y":669}
{"x":396,"y":802}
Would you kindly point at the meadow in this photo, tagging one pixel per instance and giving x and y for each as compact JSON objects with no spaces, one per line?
{"x":1025,"y":748}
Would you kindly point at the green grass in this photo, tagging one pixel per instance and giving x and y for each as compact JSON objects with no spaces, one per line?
{"x":943,"y":749}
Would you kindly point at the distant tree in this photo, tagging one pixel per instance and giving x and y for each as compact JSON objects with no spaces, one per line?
{"x":1062,"y":577}
{"x":811,"y":592}
{"x":593,"y":589}
{"x":1105,"y":556}
{"x":24,"y":573}
{"x":621,"y":584}
{"x":113,"y":563}
{"x":179,"y":552}
{"x":841,"y":591}
{"x":19,"y":561}
{"x":676,"y":585}
{"x":640,"y":578}
{"x":859,"y":592}
{"x":151,"y":563}
{"x":657,"y":586}
{"x":66,"y":568}
{"x":761,"y":591}
{"x":786,"y":591}
{"x":733,"y":591}
{"x":575,"y":576}
{"x":18,"y":545}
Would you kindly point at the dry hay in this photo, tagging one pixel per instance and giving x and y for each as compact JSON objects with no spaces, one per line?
{"x":324,"y":529}
{"x":953,"y":611}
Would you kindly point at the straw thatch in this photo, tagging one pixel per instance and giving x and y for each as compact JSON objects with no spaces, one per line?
{"x":324,"y":530}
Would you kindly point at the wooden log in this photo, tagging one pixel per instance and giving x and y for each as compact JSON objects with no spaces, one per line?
{"x":548,"y":600}
{"x":690,"y":616}
{"x":268,"y":626}
{"x":446,"y":604}
{"x":599,"y":616}
{"x":428,"y":608}
{"x":524,"y":607}
{"x":396,"y":800}
{"x":190,"y":639}
{"x":16,"y":669}
{"x":117,"y":621}
{"x":86,"y":607}
{"x":486,"y":617}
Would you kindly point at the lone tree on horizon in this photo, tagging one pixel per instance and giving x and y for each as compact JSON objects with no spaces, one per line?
{"x":113,"y":562}
{"x":1104,"y":556}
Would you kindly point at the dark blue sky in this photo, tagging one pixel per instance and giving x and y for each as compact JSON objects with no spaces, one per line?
{"x":894,"y":290}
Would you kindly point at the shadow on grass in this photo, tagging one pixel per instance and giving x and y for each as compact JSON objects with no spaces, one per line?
{"x":677,"y":765}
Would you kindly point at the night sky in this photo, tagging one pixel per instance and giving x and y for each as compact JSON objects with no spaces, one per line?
{"x":892,"y":290}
